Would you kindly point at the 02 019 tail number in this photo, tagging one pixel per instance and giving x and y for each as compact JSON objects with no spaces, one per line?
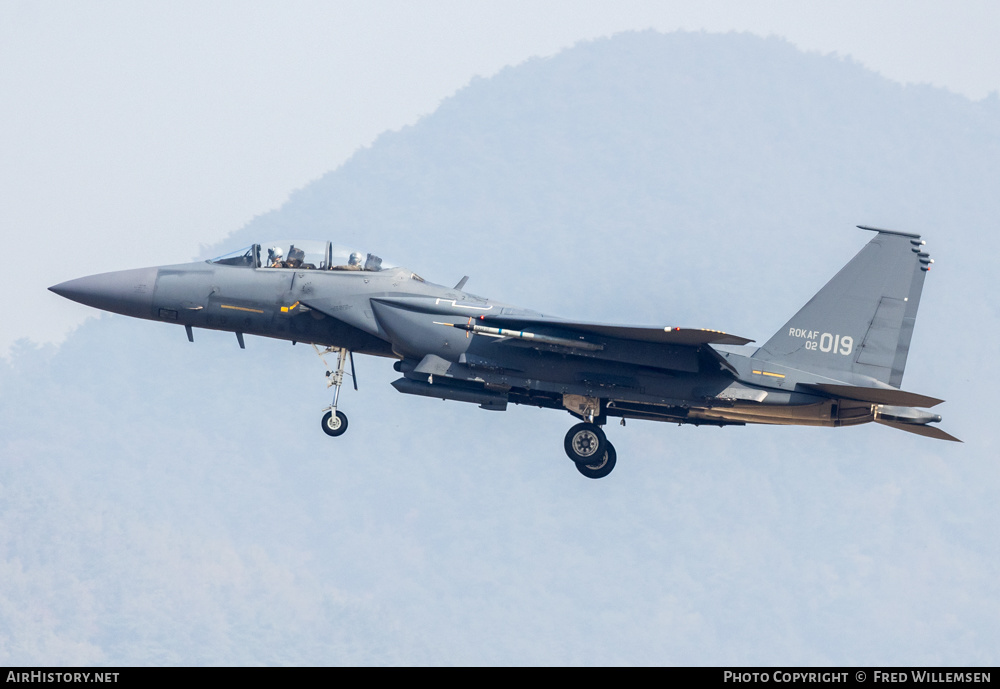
{"x":824,"y":342}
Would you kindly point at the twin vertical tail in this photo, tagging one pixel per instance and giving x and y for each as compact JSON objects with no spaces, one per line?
{"x":857,"y":329}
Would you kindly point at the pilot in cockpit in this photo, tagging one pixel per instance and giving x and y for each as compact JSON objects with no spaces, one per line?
{"x":355,"y":262}
{"x":274,"y":257}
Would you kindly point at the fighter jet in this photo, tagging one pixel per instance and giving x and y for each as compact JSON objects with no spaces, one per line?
{"x":839,"y":361}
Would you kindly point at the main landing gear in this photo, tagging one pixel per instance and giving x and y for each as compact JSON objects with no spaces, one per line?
{"x":335,"y":422}
{"x":590,"y":450}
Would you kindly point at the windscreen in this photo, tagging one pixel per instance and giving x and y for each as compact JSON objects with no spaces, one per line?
{"x":244,"y":257}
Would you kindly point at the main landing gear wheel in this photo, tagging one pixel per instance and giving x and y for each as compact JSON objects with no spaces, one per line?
{"x":585,"y":443}
{"x":602,"y":468}
{"x":334,"y":424}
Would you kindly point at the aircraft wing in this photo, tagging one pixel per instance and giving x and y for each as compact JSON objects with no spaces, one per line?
{"x":664,"y":335}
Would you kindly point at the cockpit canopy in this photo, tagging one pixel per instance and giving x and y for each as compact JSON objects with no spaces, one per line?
{"x":302,"y":255}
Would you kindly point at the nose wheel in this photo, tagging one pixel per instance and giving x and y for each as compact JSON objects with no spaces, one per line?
{"x":334,"y":422}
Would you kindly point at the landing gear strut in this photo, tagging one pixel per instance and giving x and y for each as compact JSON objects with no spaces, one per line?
{"x":590,"y":450}
{"x":335,"y":422}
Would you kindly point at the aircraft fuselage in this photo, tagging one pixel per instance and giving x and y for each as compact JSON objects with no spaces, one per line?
{"x":451,"y":344}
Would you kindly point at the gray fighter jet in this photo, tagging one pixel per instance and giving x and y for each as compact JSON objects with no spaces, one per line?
{"x":838,"y":362}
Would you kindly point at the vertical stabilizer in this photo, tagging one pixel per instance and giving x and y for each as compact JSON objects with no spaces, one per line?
{"x":861,"y":322}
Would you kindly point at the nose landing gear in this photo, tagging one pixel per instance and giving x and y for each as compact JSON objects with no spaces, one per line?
{"x":334,"y":422}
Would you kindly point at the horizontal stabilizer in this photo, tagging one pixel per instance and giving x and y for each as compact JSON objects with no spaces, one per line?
{"x":665,"y":335}
{"x":874,"y":395}
{"x":919,"y":429}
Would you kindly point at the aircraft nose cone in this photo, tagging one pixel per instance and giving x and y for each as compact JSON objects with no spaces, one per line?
{"x":128,"y":292}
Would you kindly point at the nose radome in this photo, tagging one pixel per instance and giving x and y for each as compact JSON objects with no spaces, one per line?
{"x":128,"y":292}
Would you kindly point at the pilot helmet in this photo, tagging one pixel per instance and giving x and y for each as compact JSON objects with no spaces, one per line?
{"x":355,"y":259}
{"x":275,"y":253}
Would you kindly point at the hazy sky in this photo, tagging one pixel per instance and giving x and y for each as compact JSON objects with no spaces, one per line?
{"x":131,"y":133}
